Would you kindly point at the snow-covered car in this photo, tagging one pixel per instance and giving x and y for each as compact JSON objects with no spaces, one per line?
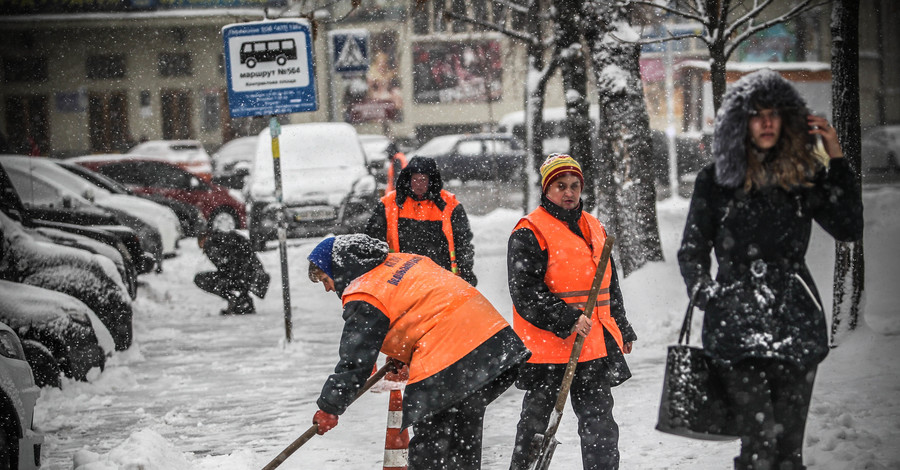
{"x":327,"y":186}
{"x":117,"y":242}
{"x":59,"y":333}
{"x":221,"y":209}
{"x":160,"y":217}
{"x":191,"y":219}
{"x":475,"y":156}
{"x":20,"y":442}
{"x":880,"y":158}
{"x":231,"y":163}
{"x":93,"y":279}
{"x":187,"y":154}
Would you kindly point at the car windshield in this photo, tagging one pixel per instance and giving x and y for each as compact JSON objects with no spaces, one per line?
{"x":310,"y":147}
{"x":438,"y":146}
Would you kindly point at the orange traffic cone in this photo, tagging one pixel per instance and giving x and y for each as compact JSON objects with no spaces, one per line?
{"x":396,"y":441}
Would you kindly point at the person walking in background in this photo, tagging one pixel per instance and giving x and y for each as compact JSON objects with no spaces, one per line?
{"x":238,"y":271}
{"x":461,"y":353}
{"x":422,"y":217}
{"x":396,"y":163}
{"x":552,"y":259}
{"x":754,"y":206}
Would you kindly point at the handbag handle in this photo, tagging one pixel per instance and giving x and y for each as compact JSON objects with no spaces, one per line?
{"x":685,"y":336}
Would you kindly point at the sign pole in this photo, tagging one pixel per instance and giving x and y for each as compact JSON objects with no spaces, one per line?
{"x":275,"y":131}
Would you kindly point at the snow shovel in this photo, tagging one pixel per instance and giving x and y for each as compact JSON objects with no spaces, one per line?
{"x":543,"y":445}
{"x":290,"y":449}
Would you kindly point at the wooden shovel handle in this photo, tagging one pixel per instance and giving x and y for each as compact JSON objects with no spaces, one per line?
{"x":579,"y":340}
{"x":293,"y":446}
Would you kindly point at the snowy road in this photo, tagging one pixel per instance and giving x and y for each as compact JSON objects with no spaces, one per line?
{"x":230,"y":393}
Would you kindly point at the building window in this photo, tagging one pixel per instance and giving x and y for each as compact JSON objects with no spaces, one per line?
{"x":428,"y":21}
{"x":24,"y":69}
{"x":175,"y":65}
{"x":101,"y":67}
{"x":211,"y":112}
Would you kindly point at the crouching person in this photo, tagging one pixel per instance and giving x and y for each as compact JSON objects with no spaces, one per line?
{"x":461,"y":353}
{"x":238,"y":271}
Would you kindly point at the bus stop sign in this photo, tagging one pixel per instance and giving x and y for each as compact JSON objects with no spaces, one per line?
{"x":270,"y":68}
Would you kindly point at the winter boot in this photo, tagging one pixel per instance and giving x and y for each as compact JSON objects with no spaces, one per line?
{"x":243,"y":305}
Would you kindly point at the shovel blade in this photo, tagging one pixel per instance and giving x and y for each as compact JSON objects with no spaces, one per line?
{"x":542,"y":448}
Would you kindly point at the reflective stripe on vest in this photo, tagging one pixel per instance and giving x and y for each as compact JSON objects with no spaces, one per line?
{"x":420,"y":210}
{"x":436,"y":318}
{"x":571,"y":265}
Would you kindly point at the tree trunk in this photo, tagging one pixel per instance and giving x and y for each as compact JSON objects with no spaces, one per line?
{"x":535,"y":90}
{"x":574,"y":77}
{"x":849,"y":266}
{"x":717,"y":70}
{"x":627,"y":202}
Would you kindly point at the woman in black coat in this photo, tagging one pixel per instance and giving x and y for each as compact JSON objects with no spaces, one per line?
{"x":764,"y":322}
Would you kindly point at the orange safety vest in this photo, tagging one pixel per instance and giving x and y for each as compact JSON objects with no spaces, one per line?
{"x":571,"y":265}
{"x":420,"y":210}
{"x":435,"y":318}
{"x":390,"y":171}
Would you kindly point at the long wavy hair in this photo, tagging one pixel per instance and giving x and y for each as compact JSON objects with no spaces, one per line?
{"x":791,"y":162}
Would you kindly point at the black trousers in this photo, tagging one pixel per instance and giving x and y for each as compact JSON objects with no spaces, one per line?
{"x":224,"y":286}
{"x":451,"y":439}
{"x":592,"y":401}
{"x":770,"y":399}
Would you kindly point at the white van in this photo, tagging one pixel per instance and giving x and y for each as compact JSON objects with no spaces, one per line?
{"x":555,"y":138}
{"x":327,"y":183}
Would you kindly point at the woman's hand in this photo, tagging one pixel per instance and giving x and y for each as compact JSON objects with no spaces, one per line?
{"x":819,"y":126}
{"x":582,"y":326}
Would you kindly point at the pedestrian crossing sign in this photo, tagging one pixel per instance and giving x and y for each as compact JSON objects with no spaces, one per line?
{"x":350,"y":50}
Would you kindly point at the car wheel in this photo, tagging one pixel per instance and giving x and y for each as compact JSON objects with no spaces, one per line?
{"x":9,"y":448}
{"x":223,"y":221}
{"x":43,"y":365}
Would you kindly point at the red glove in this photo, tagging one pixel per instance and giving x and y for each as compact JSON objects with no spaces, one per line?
{"x":398,"y":371}
{"x":326,"y":421}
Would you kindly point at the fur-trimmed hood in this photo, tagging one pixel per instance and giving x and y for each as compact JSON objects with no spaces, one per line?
{"x":764,"y":89}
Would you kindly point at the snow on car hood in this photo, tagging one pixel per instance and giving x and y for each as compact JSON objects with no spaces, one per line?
{"x":308,"y":185}
{"x":157,"y":215}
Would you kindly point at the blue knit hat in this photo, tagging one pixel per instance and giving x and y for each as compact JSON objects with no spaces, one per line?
{"x":321,"y":256}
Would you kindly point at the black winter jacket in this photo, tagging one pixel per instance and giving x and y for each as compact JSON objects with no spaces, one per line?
{"x":764,"y":302}
{"x":423,"y":237}
{"x":231,"y":253}
{"x":365,"y":328}
{"x":526,"y":264}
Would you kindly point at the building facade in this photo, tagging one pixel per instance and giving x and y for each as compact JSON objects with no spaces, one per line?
{"x":110,"y":74}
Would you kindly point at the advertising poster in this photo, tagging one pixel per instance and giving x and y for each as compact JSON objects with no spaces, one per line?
{"x":376,"y":95}
{"x":457,"y":72}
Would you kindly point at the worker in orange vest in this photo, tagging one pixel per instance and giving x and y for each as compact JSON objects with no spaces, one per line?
{"x":461,"y":353}
{"x":422,"y":217}
{"x":552,"y":258}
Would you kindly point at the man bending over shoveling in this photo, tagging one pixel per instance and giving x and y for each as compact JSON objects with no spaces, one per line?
{"x":461,"y":353}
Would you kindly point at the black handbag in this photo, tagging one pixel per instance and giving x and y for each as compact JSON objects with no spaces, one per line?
{"x":694,"y":403}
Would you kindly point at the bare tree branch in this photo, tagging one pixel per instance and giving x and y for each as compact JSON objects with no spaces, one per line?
{"x":508,"y":32}
{"x":668,"y":9}
{"x":750,"y":31}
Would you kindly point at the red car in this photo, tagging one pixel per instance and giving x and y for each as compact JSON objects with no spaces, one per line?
{"x":152,"y":176}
